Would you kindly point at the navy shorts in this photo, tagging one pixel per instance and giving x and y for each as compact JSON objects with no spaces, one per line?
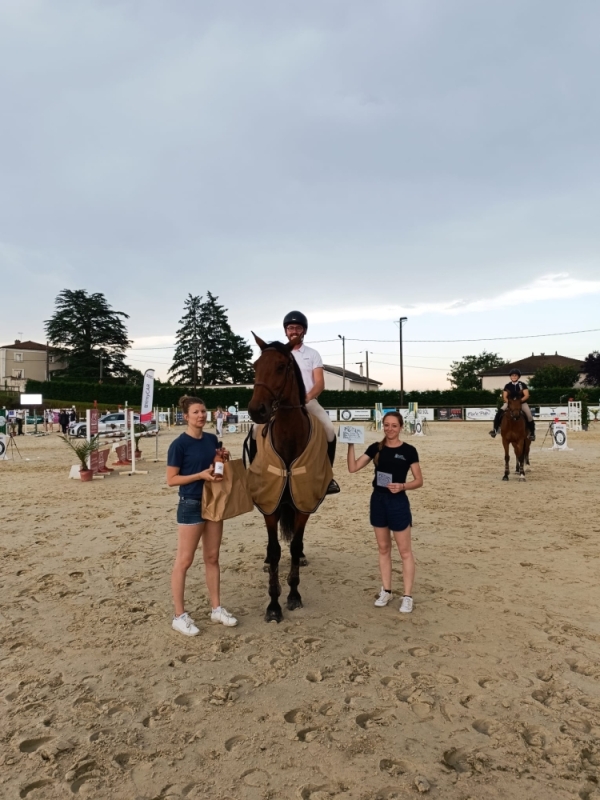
{"x":189,"y":511}
{"x":390,"y":511}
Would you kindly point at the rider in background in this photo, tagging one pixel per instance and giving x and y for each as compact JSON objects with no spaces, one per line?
{"x":515,"y":389}
{"x":310,"y":362}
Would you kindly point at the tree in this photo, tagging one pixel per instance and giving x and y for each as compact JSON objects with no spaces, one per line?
{"x":591,"y":367}
{"x":550,"y":376}
{"x":465,"y":374}
{"x":187,"y":359}
{"x":89,"y":336}
{"x":208,"y":352}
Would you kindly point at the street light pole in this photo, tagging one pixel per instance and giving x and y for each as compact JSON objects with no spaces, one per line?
{"x":400,"y":323}
{"x":343,"y":338}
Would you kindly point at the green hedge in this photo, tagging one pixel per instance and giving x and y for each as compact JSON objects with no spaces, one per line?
{"x":165,"y":395}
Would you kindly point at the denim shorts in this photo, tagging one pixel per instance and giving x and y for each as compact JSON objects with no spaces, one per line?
{"x":390,"y":511}
{"x":189,"y":511}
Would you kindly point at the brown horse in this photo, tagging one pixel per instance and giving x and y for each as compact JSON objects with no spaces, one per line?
{"x":278,"y":400}
{"x":514,"y":431}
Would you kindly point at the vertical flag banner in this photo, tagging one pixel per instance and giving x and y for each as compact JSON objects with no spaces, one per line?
{"x":147,"y":397}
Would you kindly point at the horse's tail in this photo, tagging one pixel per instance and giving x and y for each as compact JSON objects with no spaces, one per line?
{"x":286,"y":522}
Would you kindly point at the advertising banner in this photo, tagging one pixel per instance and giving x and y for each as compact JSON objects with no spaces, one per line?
{"x":332,"y":413}
{"x":147,"y":397}
{"x":553,"y":412}
{"x":350,"y":414}
{"x":449,"y":414}
{"x":480,"y":414}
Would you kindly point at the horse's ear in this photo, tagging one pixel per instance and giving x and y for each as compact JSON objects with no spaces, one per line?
{"x":260,"y":342}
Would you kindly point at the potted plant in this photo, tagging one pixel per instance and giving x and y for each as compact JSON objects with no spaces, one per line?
{"x":83,"y":449}
{"x":138,"y":431}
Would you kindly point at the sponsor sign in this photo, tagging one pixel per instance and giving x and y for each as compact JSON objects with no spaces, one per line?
{"x":480,"y":414}
{"x":350,"y":414}
{"x":333,"y":414}
{"x":559,"y":436}
{"x":449,"y":414}
{"x":3,"y":446}
{"x":243,"y":416}
{"x":352,"y":434}
{"x":553,"y":412}
{"x":147,"y":397}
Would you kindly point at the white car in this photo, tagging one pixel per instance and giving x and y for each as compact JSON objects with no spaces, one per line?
{"x":107,"y":424}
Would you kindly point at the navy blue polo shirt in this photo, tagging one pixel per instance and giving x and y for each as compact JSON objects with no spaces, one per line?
{"x":192,"y":456}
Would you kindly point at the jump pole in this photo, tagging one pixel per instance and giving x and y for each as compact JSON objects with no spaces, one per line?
{"x":156,"y":417}
{"x":133,"y":470}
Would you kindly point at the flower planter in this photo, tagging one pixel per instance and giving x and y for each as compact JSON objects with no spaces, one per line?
{"x":86,"y":474}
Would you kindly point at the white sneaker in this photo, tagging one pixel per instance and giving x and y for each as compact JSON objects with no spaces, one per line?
{"x":383,"y":599}
{"x":407,"y":605}
{"x":185,"y":624}
{"x":222,"y":615}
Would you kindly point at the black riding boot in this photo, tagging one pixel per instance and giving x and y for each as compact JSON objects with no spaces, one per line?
{"x":333,"y":487}
{"x":497,"y":423}
{"x":531,"y":426}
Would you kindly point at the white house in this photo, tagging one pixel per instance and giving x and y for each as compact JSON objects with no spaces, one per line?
{"x":497,"y":378}
{"x":334,"y":380}
{"x":23,"y":361}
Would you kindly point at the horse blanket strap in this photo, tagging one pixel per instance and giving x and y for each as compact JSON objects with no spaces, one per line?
{"x":308,"y":476}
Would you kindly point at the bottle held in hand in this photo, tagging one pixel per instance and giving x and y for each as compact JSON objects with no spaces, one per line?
{"x":219,"y":463}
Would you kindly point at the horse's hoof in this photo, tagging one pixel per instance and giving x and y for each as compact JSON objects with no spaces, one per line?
{"x":274,"y":615}
{"x":522,"y":478}
{"x":505,"y":478}
{"x":303,"y":561}
{"x":293,"y":603}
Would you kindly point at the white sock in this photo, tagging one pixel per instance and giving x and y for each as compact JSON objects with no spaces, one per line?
{"x":218,"y":608}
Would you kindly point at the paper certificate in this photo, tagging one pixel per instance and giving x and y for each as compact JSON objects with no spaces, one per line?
{"x":352,"y":434}
{"x":383,"y":478}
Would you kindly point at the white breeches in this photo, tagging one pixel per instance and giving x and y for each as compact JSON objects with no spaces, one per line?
{"x":319,"y":412}
{"x":525,"y":408}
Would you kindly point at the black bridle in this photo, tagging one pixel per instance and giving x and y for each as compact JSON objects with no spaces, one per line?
{"x":277,"y":397}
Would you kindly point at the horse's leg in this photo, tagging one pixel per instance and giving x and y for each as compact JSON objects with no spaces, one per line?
{"x":520,"y":453}
{"x":506,"y":459}
{"x":296,"y":548}
{"x":273,"y":611}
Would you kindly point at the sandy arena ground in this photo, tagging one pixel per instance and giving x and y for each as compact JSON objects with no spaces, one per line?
{"x":490,"y":689}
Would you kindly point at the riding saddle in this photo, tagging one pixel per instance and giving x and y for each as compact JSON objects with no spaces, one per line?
{"x":308,"y":476}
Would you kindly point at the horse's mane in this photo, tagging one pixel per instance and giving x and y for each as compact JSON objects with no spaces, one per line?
{"x":281,"y":348}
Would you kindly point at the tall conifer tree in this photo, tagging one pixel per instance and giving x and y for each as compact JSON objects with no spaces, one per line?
{"x":208,"y":352}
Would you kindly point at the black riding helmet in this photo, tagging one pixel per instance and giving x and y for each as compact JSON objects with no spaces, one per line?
{"x":515,"y":372}
{"x":295,"y":318}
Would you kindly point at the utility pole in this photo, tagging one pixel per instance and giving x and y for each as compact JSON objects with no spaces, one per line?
{"x":100,"y":381}
{"x":367,"y":365}
{"x":400,"y":323}
{"x":343,"y":338}
{"x":47,"y":362}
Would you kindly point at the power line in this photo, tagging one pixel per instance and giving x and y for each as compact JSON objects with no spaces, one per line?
{"x":487,"y":339}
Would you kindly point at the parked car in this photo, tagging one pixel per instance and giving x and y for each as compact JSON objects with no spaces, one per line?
{"x":106,"y":424}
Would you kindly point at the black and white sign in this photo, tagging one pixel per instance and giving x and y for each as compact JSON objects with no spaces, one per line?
{"x":480,"y":414}
{"x":559,"y":435}
{"x":3,"y":445}
{"x":351,"y":414}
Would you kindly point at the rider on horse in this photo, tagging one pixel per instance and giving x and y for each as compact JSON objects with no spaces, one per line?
{"x":310,"y":362}
{"x":515,"y":389}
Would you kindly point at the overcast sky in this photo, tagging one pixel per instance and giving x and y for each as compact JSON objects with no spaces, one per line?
{"x":357,"y":160}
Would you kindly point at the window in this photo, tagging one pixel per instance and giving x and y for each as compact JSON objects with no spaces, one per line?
{"x":17,"y":356}
{"x":19,"y":374}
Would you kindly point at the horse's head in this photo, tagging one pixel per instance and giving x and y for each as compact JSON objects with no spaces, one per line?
{"x":277,"y":381}
{"x":514,"y":408}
